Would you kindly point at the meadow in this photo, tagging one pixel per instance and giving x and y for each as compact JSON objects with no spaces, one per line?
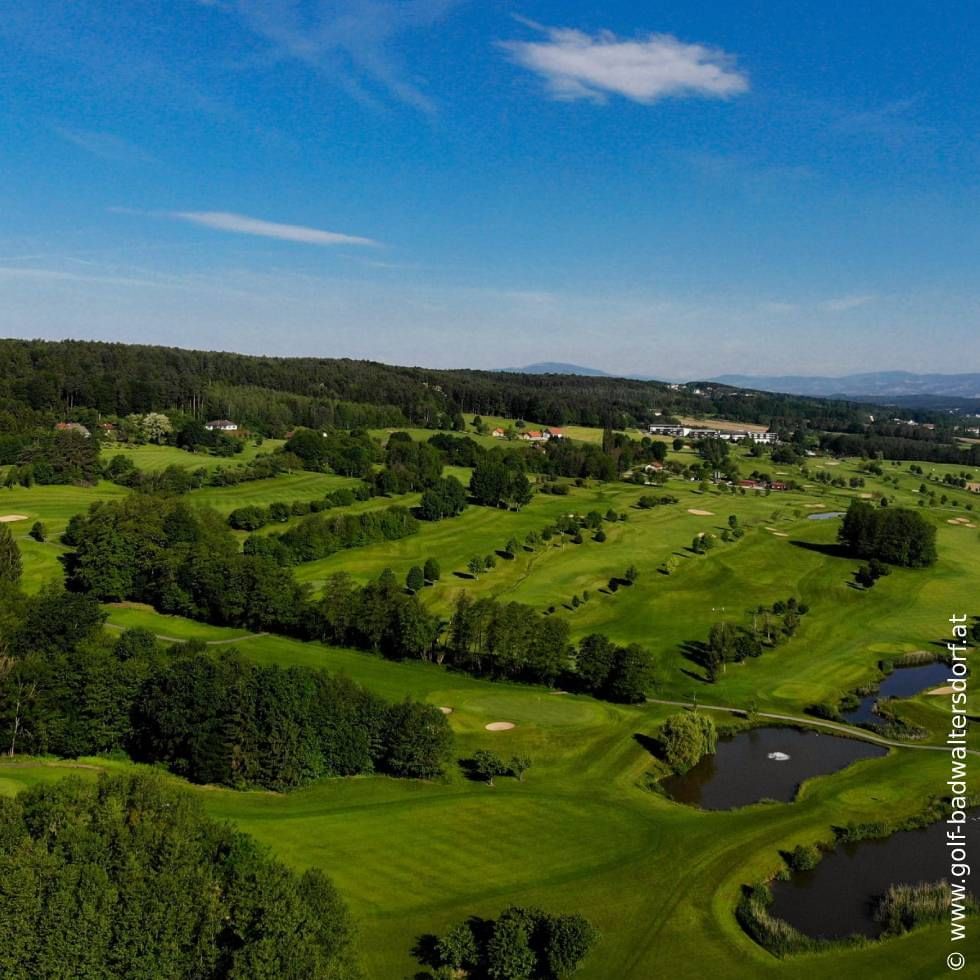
{"x":587,"y":830}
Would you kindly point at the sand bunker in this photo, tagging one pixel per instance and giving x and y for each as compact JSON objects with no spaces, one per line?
{"x":814,"y":505}
{"x":866,"y":496}
{"x":940,"y":690}
{"x":779,"y":534}
{"x":10,"y":518}
{"x":700,"y":513}
{"x":499,"y":726}
{"x":445,"y":710}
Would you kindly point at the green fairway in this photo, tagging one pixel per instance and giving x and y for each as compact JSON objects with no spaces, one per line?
{"x":584,"y":832}
{"x":580,"y":834}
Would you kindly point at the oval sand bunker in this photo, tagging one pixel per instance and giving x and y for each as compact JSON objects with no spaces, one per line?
{"x":446,"y":710}
{"x":10,"y":518}
{"x":499,"y":726}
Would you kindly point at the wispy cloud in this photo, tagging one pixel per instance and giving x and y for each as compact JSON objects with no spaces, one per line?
{"x":577,"y":65}
{"x":242,"y":224}
{"x":841,"y":304}
{"x":106,"y":146}
{"x":350,"y":43}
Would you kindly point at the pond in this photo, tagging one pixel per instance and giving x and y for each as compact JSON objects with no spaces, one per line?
{"x":903,"y":682}
{"x":764,"y":763}
{"x":838,"y":897}
{"x":829,"y":515}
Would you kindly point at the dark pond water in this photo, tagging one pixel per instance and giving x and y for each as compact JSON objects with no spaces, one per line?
{"x":903,"y":682}
{"x":829,"y":515}
{"x":749,"y":767}
{"x":837,"y":898}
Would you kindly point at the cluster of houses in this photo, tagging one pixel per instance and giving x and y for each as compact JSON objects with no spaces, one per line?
{"x":532,"y":435}
{"x":72,"y":427}
{"x":687,"y":431}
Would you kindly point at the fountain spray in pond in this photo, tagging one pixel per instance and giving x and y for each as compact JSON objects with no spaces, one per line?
{"x":778,"y":756}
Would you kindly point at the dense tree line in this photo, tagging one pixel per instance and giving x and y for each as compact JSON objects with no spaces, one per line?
{"x":900,"y":448}
{"x":409,"y":466}
{"x":225,"y":720}
{"x":321,"y":535}
{"x":499,"y":481}
{"x":67,"y":689}
{"x":128,"y":878}
{"x":894,"y":535}
{"x":335,"y":450}
{"x":182,"y":560}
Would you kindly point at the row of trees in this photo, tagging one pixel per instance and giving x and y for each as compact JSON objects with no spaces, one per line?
{"x":253,"y":517}
{"x":521,"y":944}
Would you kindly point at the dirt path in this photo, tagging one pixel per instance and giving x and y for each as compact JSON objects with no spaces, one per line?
{"x":817,"y":723}
{"x":177,"y":639}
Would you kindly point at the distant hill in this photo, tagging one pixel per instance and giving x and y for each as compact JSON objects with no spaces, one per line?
{"x":897,"y":386}
{"x":556,"y":367}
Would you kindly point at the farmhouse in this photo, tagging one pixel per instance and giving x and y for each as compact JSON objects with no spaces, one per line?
{"x":555,"y":433}
{"x":533,"y":435}
{"x":221,"y":425}
{"x":973,"y":487}
{"x":72,"y":427}
{"x":498,"y":433}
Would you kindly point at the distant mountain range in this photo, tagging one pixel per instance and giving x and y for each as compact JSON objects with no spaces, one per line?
{"x":896,"y":386}
{"x":959,"y":392}
{"x":557,"y":367}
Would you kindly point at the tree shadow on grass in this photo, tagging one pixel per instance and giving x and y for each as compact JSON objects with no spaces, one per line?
{"x":697,"y":653}
{"x":651,"y":744}
{"x":831,"y":550}
{"x":426,"y":951}
{"x":464,"y":575}
{"x":468,"y":768}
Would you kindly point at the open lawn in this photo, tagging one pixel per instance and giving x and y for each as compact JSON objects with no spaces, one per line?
{"x":153,"y":458}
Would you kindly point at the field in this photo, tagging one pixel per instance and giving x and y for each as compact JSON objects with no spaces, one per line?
{"x":159,"y":457}
{"x":586,"y":831}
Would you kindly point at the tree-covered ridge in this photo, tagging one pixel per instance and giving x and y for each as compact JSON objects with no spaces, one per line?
{"x":275,"y":393}
{"x":128,"y":878}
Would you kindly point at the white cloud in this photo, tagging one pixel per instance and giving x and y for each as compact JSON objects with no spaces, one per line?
{"x":841,"y":304}
{"x":577,"y":65}
{"x":242,"y":224}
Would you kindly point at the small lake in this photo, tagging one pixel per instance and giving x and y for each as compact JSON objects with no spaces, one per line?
{"x":764,"y":763}
{"x":830,"y":515}
{"x":902,"y":682}
{"x":838,"y":897}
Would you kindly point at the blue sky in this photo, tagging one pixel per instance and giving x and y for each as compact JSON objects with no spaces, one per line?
{"x":666,"y":188}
